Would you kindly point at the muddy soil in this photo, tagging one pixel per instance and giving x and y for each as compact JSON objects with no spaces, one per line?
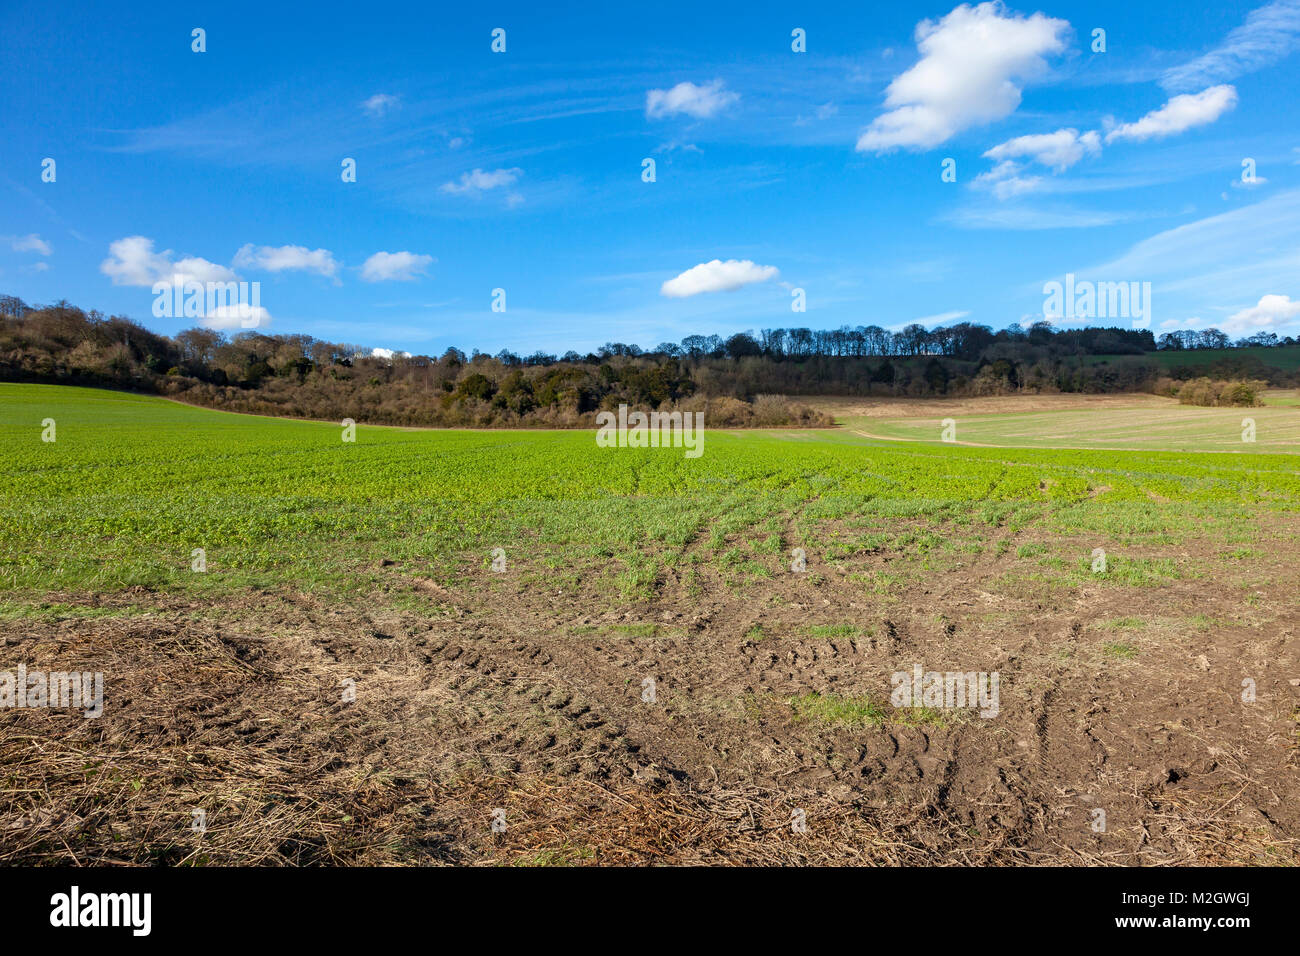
{"x":496,"y":724}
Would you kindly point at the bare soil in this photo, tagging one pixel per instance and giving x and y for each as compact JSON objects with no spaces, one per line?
{"x":488,"y":699}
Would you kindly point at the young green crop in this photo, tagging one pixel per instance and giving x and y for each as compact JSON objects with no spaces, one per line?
{"x":133,"y":484}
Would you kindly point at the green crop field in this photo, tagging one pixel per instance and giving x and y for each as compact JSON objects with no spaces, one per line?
{"x":133,"y":484}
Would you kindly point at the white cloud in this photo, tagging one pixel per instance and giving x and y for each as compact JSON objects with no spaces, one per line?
{"x":1059,"y":150}
{"x":30,"y":243}
{"x":674,"y":145}
{"x":239,"y":316}
{"x":970,"y":63}
{"x":717,"y":276}
{"x":1269,"y":34}
{"x":1271,"y":313}
{"x":287,"y":258}
{"x":394,"y":266}
{"x":698,"y":101}
{"x":942,"y":317}
{"x":132,"y":261}
{"x":1005,"y":180}
{"x":380,"y":103}
{"x":1181,"y":113}
{"x":1025,"y":218}
{"x":477,"y":181}
{"x":387,"y":353}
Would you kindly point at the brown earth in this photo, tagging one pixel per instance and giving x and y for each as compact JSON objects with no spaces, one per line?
{"x":486,"y":699}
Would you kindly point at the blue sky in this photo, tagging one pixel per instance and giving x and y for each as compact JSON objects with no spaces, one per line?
{"x":775,"y":170}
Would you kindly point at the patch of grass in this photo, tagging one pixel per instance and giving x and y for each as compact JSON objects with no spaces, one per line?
{"x":52,"y":611}
{"x":635,"y":630}
{"x":564,"y":855}
{"x":1120,"y":649}
{"x":1121,"y":622}
{"x":833,"y":630}
{"x":859,"y":711}
{"x":637,"y":580}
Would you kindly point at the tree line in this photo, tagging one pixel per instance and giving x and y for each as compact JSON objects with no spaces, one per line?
{"x":298,"y":375}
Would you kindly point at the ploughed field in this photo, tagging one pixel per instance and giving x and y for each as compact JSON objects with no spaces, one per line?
{"x":372,"y":651}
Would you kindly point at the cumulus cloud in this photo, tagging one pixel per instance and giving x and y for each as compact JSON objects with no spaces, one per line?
{"x":477,"y":181}
{"x":394,"y":266}
{"x":380,"y":103}
{"x":1269,"y":33}
{"x":698,"y":101}
{"x":238,"y":316}
{"x":1059,"y":150}
{"x":132,"y":261}
{"x":717,"y":276}
{"x":287,"y":259}
{"x":1181,"y":113}
{"x":30,"y":243}
{"x":972,"y":64}
{"x":1269,"y":314}
{"x":387,"y":353}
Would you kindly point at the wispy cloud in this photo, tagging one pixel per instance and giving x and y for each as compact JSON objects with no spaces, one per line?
{"x":380,"y":104}
{"x":942,"y":317}
{"x":29,"y":243}
{"x":1059,"y":150}
{"x":394,"y":266}
{"x":700,"y":102}
{"x":1270,"y":33}
{"x":1033,"y":219}
{"x":1220,"y":261}
{"x":476,"y":181}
